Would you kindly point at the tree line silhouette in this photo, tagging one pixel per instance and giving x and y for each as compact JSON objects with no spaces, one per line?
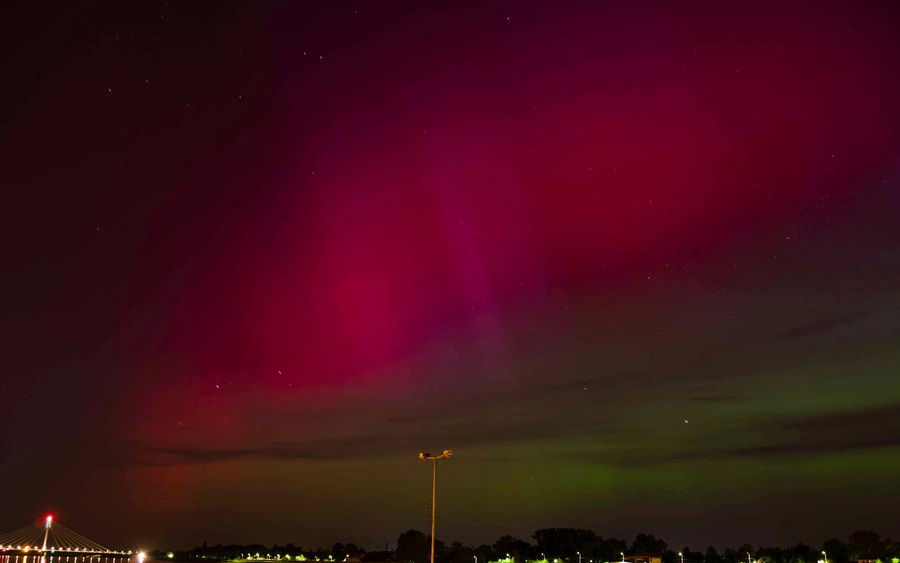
{"x":557,"y":545}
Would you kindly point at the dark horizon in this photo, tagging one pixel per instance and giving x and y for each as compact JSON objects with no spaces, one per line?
{"x":637,"y":264}
{"x":560,"y":544}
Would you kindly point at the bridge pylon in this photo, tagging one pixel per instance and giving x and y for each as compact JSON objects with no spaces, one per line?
{"x":46,"y":531}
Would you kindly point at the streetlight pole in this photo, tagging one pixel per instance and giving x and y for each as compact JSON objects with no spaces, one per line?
{"x":579,"y":557}
{"x":682,"y":557}
{"x":748,"y":558}
{"x":434,"y":458}
{"x":825,"y":555}
{"x":622,"y":553}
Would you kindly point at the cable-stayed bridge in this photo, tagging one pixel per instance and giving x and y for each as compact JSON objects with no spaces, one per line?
{"x":53,"y":537}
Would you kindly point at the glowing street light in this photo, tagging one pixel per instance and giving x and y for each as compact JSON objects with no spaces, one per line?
{"x":579,"y":557}
{"x":682,"y":557}
{"x":434,"y":458}
{"x":622,"y":553}
{"x":825,"y":555}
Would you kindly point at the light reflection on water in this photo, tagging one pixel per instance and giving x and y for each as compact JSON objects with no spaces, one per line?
{"x":18,"y":558}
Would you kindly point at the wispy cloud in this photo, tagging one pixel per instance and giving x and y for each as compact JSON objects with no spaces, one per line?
{"x":619,"y":416}
{"x":822,"y":325}
{"x":406,"y":419}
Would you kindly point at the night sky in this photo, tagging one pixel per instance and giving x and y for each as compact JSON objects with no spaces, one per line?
{"x":636,"y":263}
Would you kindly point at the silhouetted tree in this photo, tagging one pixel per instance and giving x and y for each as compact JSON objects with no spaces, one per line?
{"x":558,"y":543}
{"x":836,"y":550}
{"x":644,"y":543}
{"x":517,"y":549}
{"x":458,"y":553}
{"x":564,"y":543}
{"x":691,"y":556}
{"x":802,"y":553}
{"x":609,"y":549}
{"x":866,"y":544}
{"x":484,"y":553}
{"x":415,"y":546}
{"x":745,"y":552}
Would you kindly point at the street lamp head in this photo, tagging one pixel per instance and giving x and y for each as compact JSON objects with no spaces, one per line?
{"x":447,"y":453}
{"x":424,"y":455}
